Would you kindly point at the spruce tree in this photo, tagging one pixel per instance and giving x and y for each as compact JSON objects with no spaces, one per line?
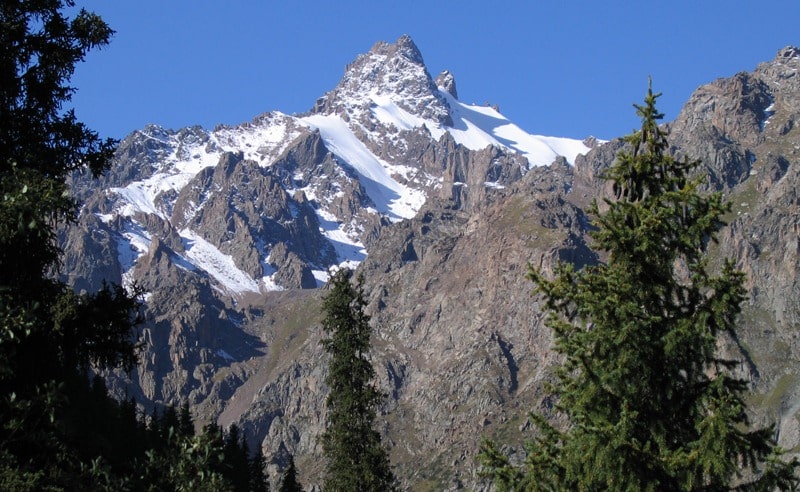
{"x":650,"y":402}
{"x":259,"y":480}
{"x":356,"y":459}
{"x":236,"y":455}
{"x":185,"y":422}
{"x":289,"y":481}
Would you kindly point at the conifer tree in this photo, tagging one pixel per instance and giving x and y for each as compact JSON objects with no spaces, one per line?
{"x":185,"y":423}
{"x":236,"y":459}
{"x":58,"y":431}
{"x":258,"y":476}
{"x":49,"y":335}
{"x":651,"y":404}
{"x":289,"y":481}
{"x":356,"y":458}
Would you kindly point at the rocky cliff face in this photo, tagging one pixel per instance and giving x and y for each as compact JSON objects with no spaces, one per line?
{"x":755,"y":159}
{"x":230,"y":233}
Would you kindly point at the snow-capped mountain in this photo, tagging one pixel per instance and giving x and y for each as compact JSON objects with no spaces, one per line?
{"x":444,"y":205}
{"x":374,"y":127}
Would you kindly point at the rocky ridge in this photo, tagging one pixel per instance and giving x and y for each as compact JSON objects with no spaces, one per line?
{"x":226,"y":229}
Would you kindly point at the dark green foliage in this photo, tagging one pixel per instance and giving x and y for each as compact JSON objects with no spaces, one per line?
{"x":182,"y":463}
{"x":237,"y":459}
{"x":352,"y":446}
{"x":50,"y":336}
{"x":651,"y":404}
{"x":289,"y":481}
{"x":107,"y":446}
{"x":166,"y":456}
{"x":40,"y":48}
{"x":258,"y":474}
{"x":168,"y":422}
{"x":185,"y":423}
{"x":40,"y":142}
{"x":58,"y":430}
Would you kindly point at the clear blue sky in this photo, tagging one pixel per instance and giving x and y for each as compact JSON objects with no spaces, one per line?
{"x":560,"y":68}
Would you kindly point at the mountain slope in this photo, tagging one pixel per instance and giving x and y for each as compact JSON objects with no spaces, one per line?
{"x":443,"y":205}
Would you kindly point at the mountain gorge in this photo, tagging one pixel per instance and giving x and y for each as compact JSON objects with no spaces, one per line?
{"x":441,"y":205}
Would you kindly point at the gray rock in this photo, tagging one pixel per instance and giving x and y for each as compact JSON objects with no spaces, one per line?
{"x":446,"y":81}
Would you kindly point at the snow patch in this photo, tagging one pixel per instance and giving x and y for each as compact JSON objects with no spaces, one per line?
{"x":261,"y":141}
{"x":218,"y":265}
{"x":392,"y":198}
{"x":140,"y":196}
{"x":768,"y":113}
{"x":135,"y":244}
{"x":321,"y":276}
{"x":348,"y":250}
{"x":477,"y":127}
{"x":225,"y":355}
{"x":132,"y":245}
{"x":390,"y":114}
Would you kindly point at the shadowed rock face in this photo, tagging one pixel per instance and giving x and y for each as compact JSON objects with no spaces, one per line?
{"x":460,"y":345}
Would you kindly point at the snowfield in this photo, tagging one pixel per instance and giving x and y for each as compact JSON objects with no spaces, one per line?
{"x":477,"y":127}
{"x":271,"y":134}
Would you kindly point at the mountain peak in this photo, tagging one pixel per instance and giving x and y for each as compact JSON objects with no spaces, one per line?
{"x":404,"y":47}
{"x":393,"y":70}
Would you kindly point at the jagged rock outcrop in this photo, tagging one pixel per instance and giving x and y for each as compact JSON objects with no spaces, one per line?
{"x":91,"y":253}
{"x":291,"y":269}
{"x":447,"y":81}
